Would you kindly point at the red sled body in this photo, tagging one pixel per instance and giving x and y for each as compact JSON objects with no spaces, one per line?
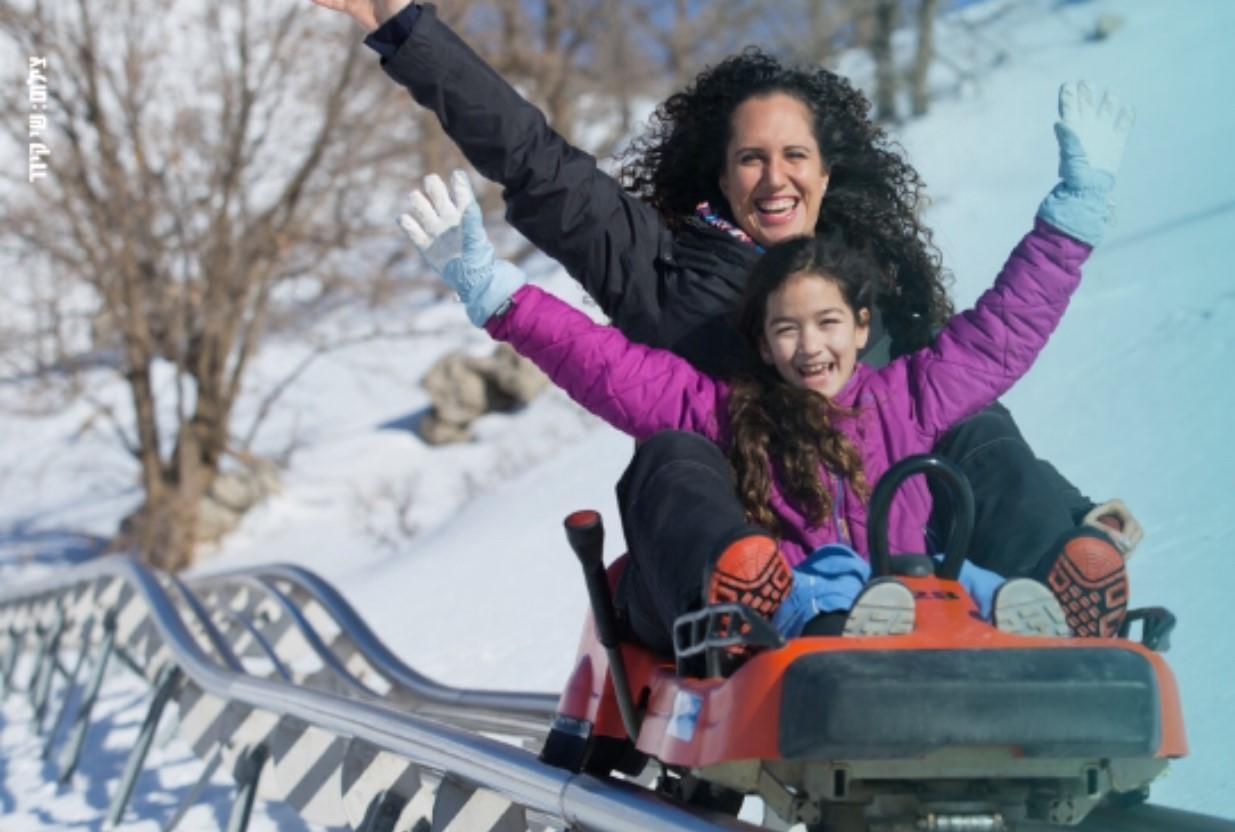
{"x":956,"y":720}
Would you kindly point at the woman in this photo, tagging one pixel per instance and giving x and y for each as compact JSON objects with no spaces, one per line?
{"x":749,"y":155}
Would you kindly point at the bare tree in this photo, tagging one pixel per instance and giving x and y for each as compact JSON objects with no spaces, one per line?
{"x":623,"y":70}
{"x":687,"y":35}
{"x":826,"y":20}
{"x":878,"y":21}
{"x":194,"y":171}
{"x":583,"y":62}
{"x":539,"y":45}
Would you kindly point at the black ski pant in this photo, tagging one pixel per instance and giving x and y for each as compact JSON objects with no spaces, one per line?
{"x":680,"y":508}
{"x":1023,"y":506}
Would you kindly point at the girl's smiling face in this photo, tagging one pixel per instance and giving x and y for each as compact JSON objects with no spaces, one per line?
{"x":774,"y":176}
{"x":811,"y":335}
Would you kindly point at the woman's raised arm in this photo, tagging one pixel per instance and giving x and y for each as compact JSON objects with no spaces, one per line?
{"x":983,"y":351}
{"x":555,"y":193}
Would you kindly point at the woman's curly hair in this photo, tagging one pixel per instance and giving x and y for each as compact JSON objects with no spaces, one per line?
{"x":873,"y":194}
{"x":790,"y":430}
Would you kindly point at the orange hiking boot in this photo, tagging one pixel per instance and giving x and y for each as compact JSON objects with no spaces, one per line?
{"x":750,"y":571}
{"x":1090,"y":581}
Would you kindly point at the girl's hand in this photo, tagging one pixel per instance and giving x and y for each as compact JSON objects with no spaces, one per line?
{"x":370,"y":14}
{"x":435,"y":221}
{"x":1092,"y":132}
{"x":448,"y":229}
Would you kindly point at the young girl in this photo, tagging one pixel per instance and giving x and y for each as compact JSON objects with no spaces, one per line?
{"x":809,"y":432}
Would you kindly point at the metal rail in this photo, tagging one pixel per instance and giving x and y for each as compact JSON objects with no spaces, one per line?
{"x":177,"y":659}
{"x":521,"y":714}
{"x":308,"y":586}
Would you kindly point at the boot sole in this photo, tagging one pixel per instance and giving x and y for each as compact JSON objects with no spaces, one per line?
{"x":732,"y":580}
{"x":1026,"y":607}
{"x":883,"y":608}
{"x":1091,"y":583}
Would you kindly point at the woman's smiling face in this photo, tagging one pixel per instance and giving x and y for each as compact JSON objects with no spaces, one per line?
{"x":774,"y":176}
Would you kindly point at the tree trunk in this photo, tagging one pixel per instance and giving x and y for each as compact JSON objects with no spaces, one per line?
{"x":558,"y":104}
{"x":885,"y":65}
{"x":919,"y":97}
{"x":677,"y":53}
{"x":821,"y":30}
{"x":163,"y":528}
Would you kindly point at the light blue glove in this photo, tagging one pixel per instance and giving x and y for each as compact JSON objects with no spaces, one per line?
{"x":980,"y":584}
{"x":827,"y":581}
{"x":1091,"y":136}
{"x":450,"y":233}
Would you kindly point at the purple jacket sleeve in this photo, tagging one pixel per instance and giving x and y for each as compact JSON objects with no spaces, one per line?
{"x":637,"y":389}
{"x":982,"y":351}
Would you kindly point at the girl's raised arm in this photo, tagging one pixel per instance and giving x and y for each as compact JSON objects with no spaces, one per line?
{"x":637,"y":389}
{"x":983,"y":351}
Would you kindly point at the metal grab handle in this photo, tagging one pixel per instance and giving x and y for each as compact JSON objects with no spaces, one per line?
{"x":959,"y":534}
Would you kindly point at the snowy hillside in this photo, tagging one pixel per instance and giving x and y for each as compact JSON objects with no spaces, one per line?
{"x":1132,"y":398}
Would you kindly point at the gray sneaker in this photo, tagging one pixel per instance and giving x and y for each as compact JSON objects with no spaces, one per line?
{"x":1027,"y":608}
{"x":884,"y":607}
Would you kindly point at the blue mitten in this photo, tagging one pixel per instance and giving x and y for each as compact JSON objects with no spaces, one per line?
{"x":980,"y":584}
{"x":450,"y":233}
{"x":827,"y":581}
{"x":1091,"y":136}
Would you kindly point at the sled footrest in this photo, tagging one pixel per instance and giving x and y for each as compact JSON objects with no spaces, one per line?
{"x":1156,"y":626}
{"x":712,"y":641}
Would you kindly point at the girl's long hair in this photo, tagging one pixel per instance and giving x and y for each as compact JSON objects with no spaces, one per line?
{"x":873,"y":194}
{"x":776,"y":426}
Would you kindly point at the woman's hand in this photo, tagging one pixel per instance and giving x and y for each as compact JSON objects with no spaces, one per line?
{"x":448,"y":229}
{"x":370,"y":14}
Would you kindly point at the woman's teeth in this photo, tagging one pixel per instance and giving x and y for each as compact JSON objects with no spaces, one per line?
{"x":776,"y":206}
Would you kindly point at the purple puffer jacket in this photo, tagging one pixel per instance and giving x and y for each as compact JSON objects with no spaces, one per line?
{"x":900,"y":409}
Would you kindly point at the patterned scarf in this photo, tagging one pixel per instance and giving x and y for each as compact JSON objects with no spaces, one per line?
{"x":705,"y":212}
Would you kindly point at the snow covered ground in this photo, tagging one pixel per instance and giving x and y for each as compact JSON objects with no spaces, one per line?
{"x":1132,"y":398}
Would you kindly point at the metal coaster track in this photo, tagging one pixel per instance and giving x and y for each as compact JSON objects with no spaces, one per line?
{"x":267,"y":695}
{"x":293,"y":591}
